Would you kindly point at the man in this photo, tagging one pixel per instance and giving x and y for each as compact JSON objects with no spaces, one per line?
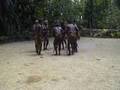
{"x":77,"y":29}
{"x":63,"y":24}
{"x":77,"y":34}
{"x":45,"y":33}
{"x":71,"y":32}
{"x":57,"y":33}
{"x":37,"y":32}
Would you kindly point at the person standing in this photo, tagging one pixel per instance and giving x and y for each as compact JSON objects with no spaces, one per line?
{"x":37,"y":34}
{"x":77,"y":35}
{"x":45,"y":32}
{"x":71,"y":33}
{"x":57,"y":33}
{"x":63,"y":24}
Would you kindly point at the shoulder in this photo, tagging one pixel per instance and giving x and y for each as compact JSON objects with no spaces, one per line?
{"x":68,"y":25}
{"x":60,"y":27}
{"x":33,"y":24}
{"x":75,"y":25}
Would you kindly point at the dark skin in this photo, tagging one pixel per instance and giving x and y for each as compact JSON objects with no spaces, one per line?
{"x":38,"y":44}
{"x":63,"y":35}
{"x":57,"y":42}
{"x":57,"y":45}
{"x":71,"y":44}
{"x":37,"y":38}
{"x":45,"y":37}
{"x":72,"y":41}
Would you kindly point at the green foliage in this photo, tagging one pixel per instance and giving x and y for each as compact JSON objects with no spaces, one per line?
{"x":95,"y":12}
{"x":117,"y":2}
{"x":115,"y":35}
{"x":17,"y":16}
{"x":59,"y":9}
{"x":113,"y":18}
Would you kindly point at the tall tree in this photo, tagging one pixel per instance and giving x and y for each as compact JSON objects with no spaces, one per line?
{"x":117,"y":2}
{"x":95,"y":11}
{"x":89,"y":13}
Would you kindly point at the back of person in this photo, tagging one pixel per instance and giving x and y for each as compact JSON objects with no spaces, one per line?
{"x":57,"y":31}
{"x":57,"y":38}
{"x":77,"y":31}
{"x":71,"y":30}
{"x":37,"y":29}
{"x":45,"y":30}
{"x":63,"y":25}
{"x":45,"y":34}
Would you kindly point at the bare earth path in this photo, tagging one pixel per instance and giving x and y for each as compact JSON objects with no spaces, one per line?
{"x":95,"y":67}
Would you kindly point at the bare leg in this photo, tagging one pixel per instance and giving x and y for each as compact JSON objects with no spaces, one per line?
{"x":44,"y":44}
{"x":59,"y":47}
{"x":55,"y":47}
{"x":47,"y":42}
{"x":69,"y":52}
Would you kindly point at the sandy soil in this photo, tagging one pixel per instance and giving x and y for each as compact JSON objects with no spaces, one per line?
{"x":95,"y":67}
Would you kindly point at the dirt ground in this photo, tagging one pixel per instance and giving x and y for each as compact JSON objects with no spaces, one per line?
{"x":95,"y":67}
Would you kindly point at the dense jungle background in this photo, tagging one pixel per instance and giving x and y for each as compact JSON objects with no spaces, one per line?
{"x":96,"y":18}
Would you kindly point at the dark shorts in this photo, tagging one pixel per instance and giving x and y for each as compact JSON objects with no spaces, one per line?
{"x":45,"y":35}
{"x":57,"y":40}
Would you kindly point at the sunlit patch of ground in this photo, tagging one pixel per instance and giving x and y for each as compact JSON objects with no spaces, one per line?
{"x":95,"y":67}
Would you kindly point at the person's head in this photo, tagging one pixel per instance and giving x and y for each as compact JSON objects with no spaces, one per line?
{"x":56,"y":23}
{"x":69,"y":21}
{"x":45,"y":22}
{"x":36,"y":21}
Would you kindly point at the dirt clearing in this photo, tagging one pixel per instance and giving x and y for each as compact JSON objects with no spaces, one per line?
{"x":95,"y":67}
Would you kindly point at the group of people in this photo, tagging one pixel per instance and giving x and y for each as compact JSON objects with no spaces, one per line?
{"x":65,"y":35}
